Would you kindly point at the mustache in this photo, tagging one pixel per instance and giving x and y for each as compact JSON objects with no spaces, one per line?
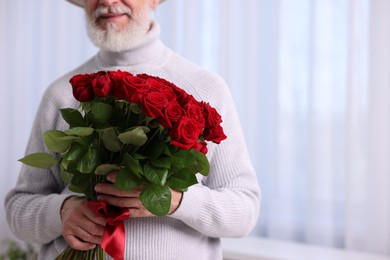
{"x":115,"y":9}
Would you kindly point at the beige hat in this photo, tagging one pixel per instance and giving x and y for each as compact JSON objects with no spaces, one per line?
{"x":81,"y":2}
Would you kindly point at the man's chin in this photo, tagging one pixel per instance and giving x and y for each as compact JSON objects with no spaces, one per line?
{"x":114,"y":40}
{"x":117,"y":23}
{"x":112,"y":44}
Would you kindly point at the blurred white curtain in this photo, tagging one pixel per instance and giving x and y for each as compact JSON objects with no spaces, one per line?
{"x":40,"y":40}
{"x":374,"y":194}
{"x":310,"y":79}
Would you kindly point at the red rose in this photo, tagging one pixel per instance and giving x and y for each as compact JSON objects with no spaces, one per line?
{"x":153,"y":104}
{"x":137,"y":88}
{"x":155,"y":84}
{"x":201,"y":147}
{"x":130,"y":88}
{"x":184,"y":100}
{"x":181,"y":95}
{"x":214,"y":134}
{"x":172,"y":114}
{"x":211,"y":116}
{"x":185,"y":133}
{"x":101,"y":84}
{"x":164,"y":90}
{"x":194,"y":110}
{"x":118,"y":76}
{"x":82,"y":87}
{"x":117,"y":82}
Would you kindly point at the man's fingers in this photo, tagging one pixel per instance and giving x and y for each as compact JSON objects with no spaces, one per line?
{"x":122,"y":198}
{"x":82,"y":214}
{"x":121,"y":202}
{"x":77,"y":244}
{"x":95,"y":219}
{"x":93,"y":228}
{"x":88,"y":232}
{"x":81,"y":228}
{"x":135,"y":206}
{"x":109,"y":189}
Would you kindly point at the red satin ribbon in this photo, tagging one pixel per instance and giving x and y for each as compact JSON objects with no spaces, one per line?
{"x":114,"y":237}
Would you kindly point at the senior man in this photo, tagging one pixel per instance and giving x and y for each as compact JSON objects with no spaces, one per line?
{"x":41,"y":209}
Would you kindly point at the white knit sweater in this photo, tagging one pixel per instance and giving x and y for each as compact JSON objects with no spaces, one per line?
{"x":224,"y":204}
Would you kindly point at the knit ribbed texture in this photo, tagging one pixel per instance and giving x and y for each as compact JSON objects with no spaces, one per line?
{"x":224,"y":204}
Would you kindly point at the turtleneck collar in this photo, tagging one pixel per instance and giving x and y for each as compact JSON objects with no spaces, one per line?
{"x":148,"y":54}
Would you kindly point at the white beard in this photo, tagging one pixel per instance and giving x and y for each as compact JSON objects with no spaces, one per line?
{"x":114,"y":40}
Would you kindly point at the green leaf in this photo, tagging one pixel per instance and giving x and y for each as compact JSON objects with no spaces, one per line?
{"x":155,"y":175}
{"x":125,"y":180}
{"x":110,"y":139}
{"x":73,"y":117}
{"x":89,"y":161}
{"x":136,"y":108}
{"x":182,"y":179}
{"x":136,"y":136}
{"x":166,"y":151}
{"x":69,"y":138}
{"x":66,"y":176}
{"x":80,"y":131}
{"x":144,"y":128}
{"x":203,"y":164}
{"x":156,"y":199}
{"x":104,"y":169}
{"x":70,"y":166}
{"x":138,"y":156}
{"x":39,"y":160}
{"x":76,"y":189}
{"x":162,"y":162}
{"x":86,"y":140}
{"x":183,"y":158}
{"x":131,"y":164}
{"x":75,"y":152}
{"x":85,"y":106}
{"x":101,"y":111}
{"x":57,"y":141}
{"x":155,"y":147}
{"x":82,"y":183}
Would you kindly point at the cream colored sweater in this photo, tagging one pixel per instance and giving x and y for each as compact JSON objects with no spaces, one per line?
{"x":224,"y":204}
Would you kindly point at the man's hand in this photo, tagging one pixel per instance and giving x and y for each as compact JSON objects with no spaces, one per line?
{"x":81,"y":228}
{"x":130,"y":199}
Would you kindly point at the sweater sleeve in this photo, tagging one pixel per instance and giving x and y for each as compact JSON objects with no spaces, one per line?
{"x":33,"y":206}
{"x":226,"y":203}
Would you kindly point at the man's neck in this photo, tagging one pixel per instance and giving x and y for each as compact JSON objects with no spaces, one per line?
{"x":148,"y":52}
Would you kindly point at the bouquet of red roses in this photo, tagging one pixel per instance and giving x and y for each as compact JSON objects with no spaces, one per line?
{"x":150,"y":131}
